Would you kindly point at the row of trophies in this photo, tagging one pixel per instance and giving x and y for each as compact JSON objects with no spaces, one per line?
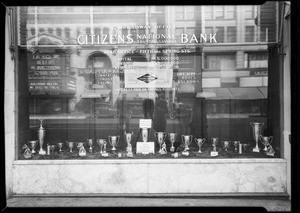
{"x":160,"y":138}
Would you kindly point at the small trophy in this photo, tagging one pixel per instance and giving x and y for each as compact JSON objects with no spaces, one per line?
{"x":236,"y":145}
{"x":128,"y":138}
{"x":215,"y":141}
{"x":172,"y":137}
{"x":186,"y":140}
{"x":245,"y":146}
{"x":52,"y":148}
{"x":105,"y":154}
{"x":200,"y":142}
{"x":27,"y":152}
{"x":266,"y":141}
{"x":70,"y":145}
{"x":90,"y":143}
{"x":100,"y":142}
{"x":32,"y":145}
{"x":113,"y":141}
{"x":256,"y":133}
{"x":60,"y":145}
{"x":80,"y":146}
{"x":160,"y":137}
{"x":226,"y":144}
{"x":144,"y":134}
{"x":41,"y":136}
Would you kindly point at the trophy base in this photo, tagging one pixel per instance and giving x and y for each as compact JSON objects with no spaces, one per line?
{"x":256,"y":149}
{"x":172,"y":149}
{"x":42,"y":152}
{"x":185,"y":153}
{"x":145,"y":147}
{"x":130,"y":154}
{"x":104,"y":154}
{"x":82,"y":154}
{"x":214,"y":153}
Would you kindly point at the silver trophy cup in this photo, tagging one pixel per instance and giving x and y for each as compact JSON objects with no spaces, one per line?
{"x":226,"y":144}
{"x":32,"y":145}
{"x":145,"y":134}
{"x":128,"y":138}
{"x":100,"y":142}
{"x":256,"y":133}
{"x":215,"y":142}
{"x":266,"y":141}
{"x":41,"y":136}
{"x":186,"y":140}
{"x":200,"y":142}
{"x":236,"y":145}
{"x":172,"y":137}
{"x":160,"y":137}
{"x":70,"y":145}
{"x":113,"y":141}
{"x":59,"y":145}
{"x":90,"y":142}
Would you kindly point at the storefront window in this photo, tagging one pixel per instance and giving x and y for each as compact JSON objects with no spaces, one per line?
{"x":113,"y":85}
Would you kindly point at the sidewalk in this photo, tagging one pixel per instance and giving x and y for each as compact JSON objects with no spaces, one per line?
{"x":268,"y":204}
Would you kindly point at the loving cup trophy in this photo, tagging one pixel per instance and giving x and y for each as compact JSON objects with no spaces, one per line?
{"x":186,"y":140}
{"x":70,"y":145}
{"x":90,"y":142}
{"x":256,"y":133}
{"x":100,"y":142}
{"x":59,"y":145}
{"x":160,"y":137}
{"x":236,"y":145}
{"x":200,"y":142}
{"x":266,"y":141}
{"x":226,"y":144}
{"x":80,"y":146}
{"x":113,"y":141}
{"x":172,"y":137}
{"x":32,"y":145}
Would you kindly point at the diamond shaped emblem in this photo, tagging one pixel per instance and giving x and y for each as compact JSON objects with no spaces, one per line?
{"x":147,"y":78}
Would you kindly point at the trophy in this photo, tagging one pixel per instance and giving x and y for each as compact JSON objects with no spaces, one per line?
{"x":145,"y":134}
{"x":172,"y":137}
{"x":70,"y":145}
{"x":226,"y":144}
{"x":236,"y":144}
{"x":128,"y":138}
{"x":200,"y":142}
{"x":60,"y":145}
{"x":100,"y":142}
{"x":113,"y":141}
{"x":52,"y":148}
{"x":90,"y":143}
{"x":80,"y":146}
{"x":41,"y":136}
{"x":32,"y":145}
{"x":256,"y":133}
{"x":245,"y":146}
{"x":215,"y":141}
{"x":186,"y":140}
{"x":160,"y":137}
{"x":27,"y":152}
{"x":266,"y":141}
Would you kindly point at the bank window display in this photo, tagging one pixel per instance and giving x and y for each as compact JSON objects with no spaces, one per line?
{"x":123,"y":86}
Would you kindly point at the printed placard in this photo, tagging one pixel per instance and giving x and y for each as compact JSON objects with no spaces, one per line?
{"x":145,"y":123}
{"x":144,"y":147}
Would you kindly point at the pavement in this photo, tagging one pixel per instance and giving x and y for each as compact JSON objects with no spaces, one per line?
{"x":269,"y":204}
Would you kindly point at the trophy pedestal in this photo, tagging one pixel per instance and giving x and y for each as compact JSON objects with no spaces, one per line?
{"x":256,"y":149}
{"x":145,"y":147}
{"x":172,"y":149}
{"x":42,"y":152}
{"x":214,"y":153}
{"x":105,"y":154}
{"x":130,"y":154}
{"x":186,"y":153}
{"x":82,"y":154}
{"x":270,"y":154}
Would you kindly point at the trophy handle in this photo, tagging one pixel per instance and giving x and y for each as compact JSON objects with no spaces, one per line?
{"x":118,"y":139}
{"x":155,"y":135}
{"x":109,"y":139}
{"x":165,"y":135}
{"x":271,"y":139}
{"x":191,"y":139}
{"x":196,"y":140}
{"x":182,"y":138}
{"x":204,"y":140}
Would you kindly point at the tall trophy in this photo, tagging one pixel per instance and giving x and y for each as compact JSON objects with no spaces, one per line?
{"x":80,"y":146}
{"x":128,"y":138}
{"x":41,"y":136}
{"x":215,"y":142}
{"x":226,"y":144}
{"x":32,"y":145}
{"x":144,"y":134}
{"x":200,"y":142}
{"x":186,"y":140}
{"x":113,"y":141}
{"x":100,"y":142}
{"x":60,"y":145}
{"x":90,"y":142}
{"x":172,"y":137}
{"x":160,"y":137}
{"x":266,"y":141}
{"x":256,"y":133}
{"x":236,"y":145}
{"x":70,"y":145}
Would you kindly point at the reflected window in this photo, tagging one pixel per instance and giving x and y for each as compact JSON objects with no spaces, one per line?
{"x":249,"y":34}
{"x":219,"y":61}
{"x":208,"y":12}
{"x":231,"y":34}
{"x":219,"y":12}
